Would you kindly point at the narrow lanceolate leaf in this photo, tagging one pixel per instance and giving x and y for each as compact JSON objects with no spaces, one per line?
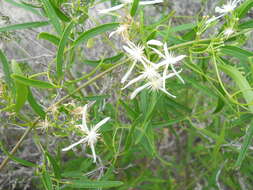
{"x":236,"y":52}
{"x":55,"y":165}
{"x":22,"y":26}
{"x":49,"y":37}
{"x":246,"y":143}
{"x":35,"y":106}
{"x":60,"y":52}
{"x":134,"y":7}
{"x":20,"y":89}
{"x":94,"y":32}
{"x":94,"y":184}
{"x":6,"y":69}
{"x":246,"y":25}
{"x":52,"y":15}
{"x":23,"y":6}
{"x":59,"y":13}
{"x":244,"y":8}
{"x":32,"y":82}
{"x":16,"y":159}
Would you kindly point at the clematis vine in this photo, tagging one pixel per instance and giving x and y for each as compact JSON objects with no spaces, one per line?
{"x":91,"y":134}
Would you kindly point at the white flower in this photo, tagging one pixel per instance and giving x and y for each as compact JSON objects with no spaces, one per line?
{"x":154,"y":84}
{"x":169,"y":60}
{"x":121,"y":30}
{"x":228,"y":32}
{"x":224,"y":10}
{"x":136,"y":54}
{"x":126,"y":2}
{"x":92,"y":134}
{"x":148,"y":73}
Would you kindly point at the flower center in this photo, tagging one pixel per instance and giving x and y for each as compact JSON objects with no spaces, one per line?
{"x":156,"y":83}
{"x":92,"y":137}
{"x":150,"y":72}
{"x":229,"y":7}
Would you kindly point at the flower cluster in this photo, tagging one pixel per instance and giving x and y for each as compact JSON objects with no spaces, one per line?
{"x":154,"y":74}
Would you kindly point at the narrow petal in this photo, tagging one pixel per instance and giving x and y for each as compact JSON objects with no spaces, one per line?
{"x":150,"y":2}
{"x":93,"y":153}
{"x":99,"y":124}
{"x":178,"y":76}
{"x":137,"y":90}
{"x":75,"y":144}
{"x":84,"y":115}
{"x":162,"y":63}
{"x":155,"y":43}
{"x":179,"y":58}
{"x":157,"y":52}
{"x":112,"y":33}
{"x":128,"y":50}
{"x":211,"y":20}
{"x":219,"y":10}
{"x":117,"y":7}
{"x":166,"y":92}
{"x":165,"y":49}
{"x":172,"y":74}
{"x":125,"y":77}
{"x":134,"y":81}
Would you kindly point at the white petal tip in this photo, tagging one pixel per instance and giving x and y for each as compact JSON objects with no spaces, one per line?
{"x":155,"y":43}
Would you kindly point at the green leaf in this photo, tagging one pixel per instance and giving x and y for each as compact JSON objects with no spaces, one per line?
{"x":56,"y":168}
{"x":32,"y":82}
{"x":16,"y":159}
{"x":23,"y":6}
{"x":236,"y":52}
{"x":134,"y":7}
{"x":49,"y":37}
{"x":52,"y":15}
{"x":94,"y":32}
{"x":59,"y":13}
{"x":20,"y":89}
{"x":60,"y":51}
{"x":46,"y":180}
{"x":244,"y":8}
{"x":94,"y":184}
{"x":35,"y":106}
{"x":220,"y":105}
{"x":23,"y":26}
{"x":245,"y":146}
{"x":109,"y":60}
{"x":246,"y":25}
{"x":182,"y":27}
{"x":6,"y":69}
